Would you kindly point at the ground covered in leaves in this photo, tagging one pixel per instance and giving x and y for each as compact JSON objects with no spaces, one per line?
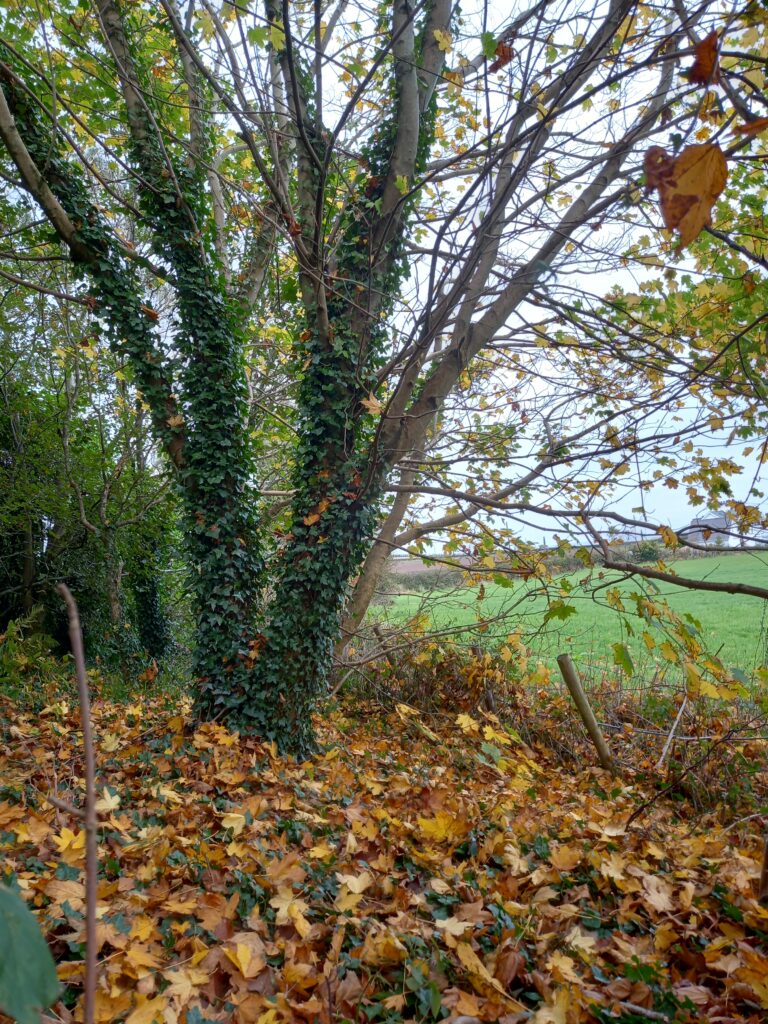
{"x":403,"y":874}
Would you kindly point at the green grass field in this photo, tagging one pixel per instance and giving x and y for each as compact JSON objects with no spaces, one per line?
{"x":733,"y":626}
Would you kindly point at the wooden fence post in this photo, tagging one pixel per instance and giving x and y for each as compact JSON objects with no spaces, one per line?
{"x":572,"y":681}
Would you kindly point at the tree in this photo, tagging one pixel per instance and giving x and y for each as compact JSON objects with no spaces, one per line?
{"x":371,"y":203}
{"x":80,"y":498}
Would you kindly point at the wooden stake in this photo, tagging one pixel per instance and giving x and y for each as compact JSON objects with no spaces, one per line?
{"x":572,"y":681}
{"x":762,"y":892}
{"x":90,"y":816}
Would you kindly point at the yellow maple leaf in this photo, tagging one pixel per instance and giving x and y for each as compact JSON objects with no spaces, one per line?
{"x":356,"y":883}
{"x":453,"y":926}
{"x":234,"y":821}
{"x":381,"y":947}
{"x":240,"y":956}
{"x":658,"y":892}
{"x":290,"y":910}
{"x":141,"y":961}
{"x":668,"y":535}
{"x":496,"y":736}
{"x":110,"y":742}
{"x":147,"y":1010}
{"x":322,"y":851}
{"x":107,"y":802}
{"x":581,"y":941}
{"x":455,"y":80}
{"x":246,"y":951}
{"x":565,"y":858}
{"x":142,"y":927}
{"x":693,"y":678}
{"x":187,"y":906}
{"x":439,"y":885}
{"x":444,"y":40}
{"x":467,"y":724}
{"x":67,"y":840}
{"x":347,"y":900}
{"x":481,"y":977}
{"x":443,"y":828}
{"x":562,"y":967}
{"x":556,"y":1011}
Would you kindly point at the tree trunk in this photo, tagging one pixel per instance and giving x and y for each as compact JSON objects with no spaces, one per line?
{"x":29,"y":570}
{"x":374,"y":565}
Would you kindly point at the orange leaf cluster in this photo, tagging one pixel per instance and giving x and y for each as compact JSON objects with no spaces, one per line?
{"x":688,"y":186}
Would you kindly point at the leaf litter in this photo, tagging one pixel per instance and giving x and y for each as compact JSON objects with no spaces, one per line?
{"x":398,"y":875}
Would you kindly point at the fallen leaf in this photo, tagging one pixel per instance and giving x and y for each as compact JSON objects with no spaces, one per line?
{"x":443,"y":828}
{"x":147,"y":1010}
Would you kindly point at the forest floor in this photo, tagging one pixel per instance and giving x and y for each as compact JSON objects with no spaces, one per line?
{"x":405,"y":873}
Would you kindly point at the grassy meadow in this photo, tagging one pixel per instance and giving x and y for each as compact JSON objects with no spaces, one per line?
{"x":733,"y":626}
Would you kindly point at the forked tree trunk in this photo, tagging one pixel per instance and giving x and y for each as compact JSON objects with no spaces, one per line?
{"x":374,"y":566}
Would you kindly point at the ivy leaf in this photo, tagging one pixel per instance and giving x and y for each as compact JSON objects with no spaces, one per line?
{"x":28,"y":982}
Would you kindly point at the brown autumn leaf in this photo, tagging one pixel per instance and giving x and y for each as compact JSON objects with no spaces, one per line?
{"x":756,"y":127}
{"x":705,"y":69}
{"x":658,"y":167}
{"x":504,"y":54}
{"x":372,"y":405}
{"x":688,"y":186}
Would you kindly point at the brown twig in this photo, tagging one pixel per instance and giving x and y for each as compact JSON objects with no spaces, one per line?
{"x":77,"y":812}
{"x":672,"y":731}
{"x":642,"y":808}
{"x":641,"y":1011}
{"x":90,"y":816}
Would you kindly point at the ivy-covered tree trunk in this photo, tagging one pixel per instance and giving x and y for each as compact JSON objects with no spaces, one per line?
{"x":334,"y":512}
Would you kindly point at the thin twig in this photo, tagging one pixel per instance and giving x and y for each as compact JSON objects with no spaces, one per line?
{"x":78,"y":812}
{"x":90,"y":816}
{"x":642,"y":808}
{"x":671,"y":736}
{"x":642,"y":1012}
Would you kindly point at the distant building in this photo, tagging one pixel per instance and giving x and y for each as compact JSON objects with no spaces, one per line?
{"x":713,"y":530}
